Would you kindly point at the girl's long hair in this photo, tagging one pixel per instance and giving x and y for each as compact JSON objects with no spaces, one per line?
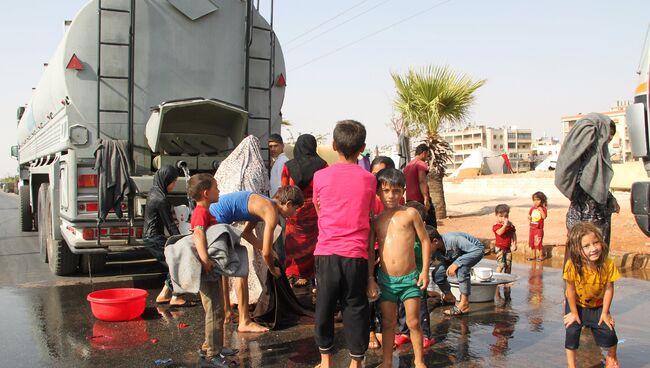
{"x":542,"y":197}
{"x":574,"y":247}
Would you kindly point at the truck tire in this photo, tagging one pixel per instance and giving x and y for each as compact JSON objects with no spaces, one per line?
{"x":26,"y":218}
{"x":61,"y":260}
{"x":97,"y":263}
{"x":40,"y":219}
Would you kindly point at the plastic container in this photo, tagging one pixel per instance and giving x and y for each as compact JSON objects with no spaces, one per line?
{"x":122,"y":304}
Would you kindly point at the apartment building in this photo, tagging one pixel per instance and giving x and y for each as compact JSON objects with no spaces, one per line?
{"x":515,"y":142}
{"x":619,"y":147}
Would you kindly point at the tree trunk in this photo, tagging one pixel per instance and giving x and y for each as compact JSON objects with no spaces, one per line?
{"x":438,"y":195}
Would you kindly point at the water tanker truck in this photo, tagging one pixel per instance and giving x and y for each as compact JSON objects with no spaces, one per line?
{"x":172,"y":81}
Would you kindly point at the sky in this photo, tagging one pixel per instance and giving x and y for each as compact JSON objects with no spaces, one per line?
{"x":542,"y":59}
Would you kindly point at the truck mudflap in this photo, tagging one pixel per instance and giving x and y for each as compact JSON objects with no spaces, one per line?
{"x":640,"y":203}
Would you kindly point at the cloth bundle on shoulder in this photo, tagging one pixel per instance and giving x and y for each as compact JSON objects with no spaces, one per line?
{"x":223,"y":247}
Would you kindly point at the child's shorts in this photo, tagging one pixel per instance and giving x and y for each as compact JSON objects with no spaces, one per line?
{"x":605,"y":338}
{"x":398,"y":288}
{"x":504,"y":259}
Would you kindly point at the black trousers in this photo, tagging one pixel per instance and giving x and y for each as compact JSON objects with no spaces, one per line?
{"x":344,"y":281}
{"x":605,"y":338}
{"x":156,"y":246}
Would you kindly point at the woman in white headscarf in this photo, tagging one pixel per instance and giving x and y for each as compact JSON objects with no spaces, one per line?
{"x":244,"y":170}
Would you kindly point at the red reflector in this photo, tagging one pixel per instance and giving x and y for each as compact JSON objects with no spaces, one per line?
{"x":88,"y":234}
{"x":281,"y":81}
{"x":91,"y":207}
{"x":75,"y":63}
{"x":87,"y":181}
{"x":138,"y":232}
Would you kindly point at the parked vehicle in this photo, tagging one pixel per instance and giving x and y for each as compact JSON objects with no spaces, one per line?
{"x":639,"y":128}
{"x":180,"y":82}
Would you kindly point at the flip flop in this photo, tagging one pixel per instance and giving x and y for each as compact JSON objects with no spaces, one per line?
{"x":454,"y":312}
{"x":300,"y":283}
{"x":187,"y":304}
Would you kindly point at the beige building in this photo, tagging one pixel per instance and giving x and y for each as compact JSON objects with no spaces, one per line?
{"x":619,"y":147}
{"x":515,"y":142}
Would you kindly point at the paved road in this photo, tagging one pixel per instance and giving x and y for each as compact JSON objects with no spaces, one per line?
{"x":47,"y":322}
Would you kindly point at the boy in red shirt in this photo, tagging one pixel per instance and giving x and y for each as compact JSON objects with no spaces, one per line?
{"x":506,"y":238}
{"x":203,"y":189}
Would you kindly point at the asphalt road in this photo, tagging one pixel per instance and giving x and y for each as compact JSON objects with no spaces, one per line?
{"x":47,"y":322}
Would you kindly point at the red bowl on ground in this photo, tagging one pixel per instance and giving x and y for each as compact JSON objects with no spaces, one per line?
{"x":122,"y":304}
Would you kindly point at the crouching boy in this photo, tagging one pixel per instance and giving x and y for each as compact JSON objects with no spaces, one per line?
{"x":457,"y":253}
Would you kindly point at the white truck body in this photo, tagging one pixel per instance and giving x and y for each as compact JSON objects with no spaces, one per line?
{"x":202,"y":76}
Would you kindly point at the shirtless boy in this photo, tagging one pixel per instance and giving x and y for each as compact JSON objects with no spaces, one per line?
{"x":399,"y":280}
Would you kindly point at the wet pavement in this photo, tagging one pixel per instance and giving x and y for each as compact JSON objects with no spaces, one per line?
{"x":47,"y":322}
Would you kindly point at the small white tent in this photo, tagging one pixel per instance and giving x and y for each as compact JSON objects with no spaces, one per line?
{"x":481,"y":161}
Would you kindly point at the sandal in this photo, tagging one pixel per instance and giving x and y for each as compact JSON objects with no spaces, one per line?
{"x":300,"y":283}
{"x":454,"y":312}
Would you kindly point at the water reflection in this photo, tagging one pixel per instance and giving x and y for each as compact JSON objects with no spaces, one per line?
{"x":118,"y":335}
{"x":535,"y":296}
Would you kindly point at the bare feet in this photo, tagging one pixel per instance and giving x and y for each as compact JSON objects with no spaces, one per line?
{"x":251,"y":326}
{"x":373,"y":342}
{"x":164,"y":296}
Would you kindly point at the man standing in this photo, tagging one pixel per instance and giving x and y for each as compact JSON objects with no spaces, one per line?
{"x":278,"y":159}
{"x":417,"y":188}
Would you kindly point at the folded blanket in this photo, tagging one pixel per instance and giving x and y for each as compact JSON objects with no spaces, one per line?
{"x":223,"y":248}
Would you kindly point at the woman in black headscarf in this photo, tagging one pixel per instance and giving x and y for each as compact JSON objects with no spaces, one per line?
{"x":302,"y":229}
{"x":157,"y":218}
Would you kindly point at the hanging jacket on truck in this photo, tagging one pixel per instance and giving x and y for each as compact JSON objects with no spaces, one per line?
{"x":158,"y":212}
{"x":112,"y":160}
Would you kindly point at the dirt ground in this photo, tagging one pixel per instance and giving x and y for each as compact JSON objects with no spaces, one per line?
{"x":474,"y":214}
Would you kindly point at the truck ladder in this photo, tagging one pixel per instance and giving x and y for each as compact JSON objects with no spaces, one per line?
{"x":101,"y":80}
{"x":251,"y":29}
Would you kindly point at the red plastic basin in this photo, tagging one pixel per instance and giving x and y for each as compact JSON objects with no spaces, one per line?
{"x":122,"y":304}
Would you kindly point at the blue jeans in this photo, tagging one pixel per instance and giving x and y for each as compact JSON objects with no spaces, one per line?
{"x":439,"y":275}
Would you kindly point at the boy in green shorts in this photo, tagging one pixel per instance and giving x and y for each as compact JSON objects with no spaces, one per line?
{"x":399,"y":279}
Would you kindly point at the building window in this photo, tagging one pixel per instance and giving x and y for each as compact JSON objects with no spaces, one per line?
{"x":501,"y":146}
{"x":495,"y":146}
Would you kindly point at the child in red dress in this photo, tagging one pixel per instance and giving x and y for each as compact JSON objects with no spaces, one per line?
{"x":536,"y":217}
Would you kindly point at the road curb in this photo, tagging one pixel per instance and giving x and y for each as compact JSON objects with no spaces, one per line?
{"x":630,"y":260}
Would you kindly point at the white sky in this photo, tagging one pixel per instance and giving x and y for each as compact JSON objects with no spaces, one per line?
{"x":542,"y":59}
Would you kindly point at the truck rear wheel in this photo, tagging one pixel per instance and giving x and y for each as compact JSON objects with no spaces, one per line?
{"x":40,"y":219}
{"x":26,"y":218}
{"x":97,"y":263}
{"x":61,"y":260}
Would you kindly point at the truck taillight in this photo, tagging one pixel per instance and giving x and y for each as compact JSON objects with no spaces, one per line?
{"x":87,"y":181}
{"x":90,"y":233}
{"x":87,"y":206}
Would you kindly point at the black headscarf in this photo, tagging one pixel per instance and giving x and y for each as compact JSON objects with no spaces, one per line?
{"x":163,"y":177}
{"x":305,"y":161}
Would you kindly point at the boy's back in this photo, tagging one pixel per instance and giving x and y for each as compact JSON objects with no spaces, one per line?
{"x":345,"y":195}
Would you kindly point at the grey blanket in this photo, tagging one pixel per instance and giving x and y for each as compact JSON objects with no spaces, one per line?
{"x":584,"y":159}
{"x":112,"y":160}
{"x":224,"y":249}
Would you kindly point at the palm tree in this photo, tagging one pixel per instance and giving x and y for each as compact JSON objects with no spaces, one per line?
{"x":429,"y":99}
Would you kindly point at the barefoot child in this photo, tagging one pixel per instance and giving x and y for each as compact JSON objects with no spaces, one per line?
{"x":203,"y":189}
{"x":589,"y":275}
{"x":403,"y":335}
{"x":397,"y":229}
{"x":253,"y":208}
{"x":506,"y":238}
{"x":344,"y":195}
{"x":157,"y":218}
{"x":536,"y":217}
